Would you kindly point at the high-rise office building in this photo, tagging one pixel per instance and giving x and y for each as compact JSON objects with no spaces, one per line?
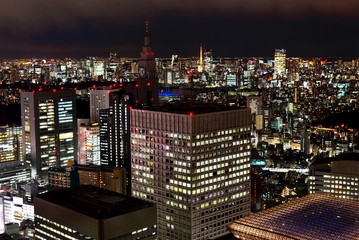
{"x":115,"y":133}
{"x":279,"y":62}
{"x":194,"y":163}
{"x":49,"y":129}
{"x":89,"y":212}
{"x":147,"y":86}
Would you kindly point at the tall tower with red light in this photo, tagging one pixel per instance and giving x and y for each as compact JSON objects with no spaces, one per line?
{"x":147,"y":81}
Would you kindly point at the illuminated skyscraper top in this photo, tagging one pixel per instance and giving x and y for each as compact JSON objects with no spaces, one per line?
{"x":148,"y":82}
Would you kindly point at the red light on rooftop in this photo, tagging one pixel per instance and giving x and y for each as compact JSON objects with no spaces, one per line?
{"x":53,"y":90}
{"x":137,"y":85}
{"x":130,"y":107}
{"x":191,"y":114}
{"x":148,"y":84}
{"x":94,"y":86}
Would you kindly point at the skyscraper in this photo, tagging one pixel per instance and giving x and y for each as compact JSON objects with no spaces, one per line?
{"x":279,"y":62}
{"x":49,"y":129}
{"x":115,"y":133}
{"x":147,"y":81}
{"x":194,"y":163}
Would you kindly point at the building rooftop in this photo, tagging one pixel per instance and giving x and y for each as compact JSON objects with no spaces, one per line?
{"x":192,"y":108}
{"x":94,"y":202}
{"x":311,"y":217}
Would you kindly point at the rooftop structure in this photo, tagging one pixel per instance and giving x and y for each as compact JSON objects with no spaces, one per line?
{"x":312,"y":217}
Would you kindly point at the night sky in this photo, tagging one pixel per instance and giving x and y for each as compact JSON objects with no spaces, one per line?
{"x":231,"y":28}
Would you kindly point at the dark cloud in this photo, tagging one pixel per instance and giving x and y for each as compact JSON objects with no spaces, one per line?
{"x":230,"y":27}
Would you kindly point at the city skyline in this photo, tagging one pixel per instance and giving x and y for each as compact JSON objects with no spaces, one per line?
{"x":230,"y":28}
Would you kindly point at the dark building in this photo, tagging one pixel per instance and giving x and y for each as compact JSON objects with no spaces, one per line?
{"x":115,"y":134}
{"x":89,"y":212}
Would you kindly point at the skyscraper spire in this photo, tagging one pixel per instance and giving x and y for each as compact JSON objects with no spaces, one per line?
{"x":147,"y":37}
